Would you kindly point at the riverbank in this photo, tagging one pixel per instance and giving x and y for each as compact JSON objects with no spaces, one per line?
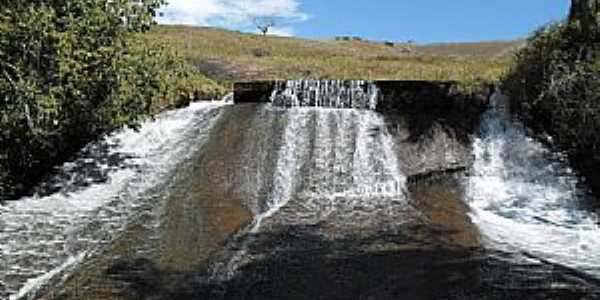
{"x":202,"y":63}
{"x":186,"y":64}
{"x":65,"y":82}
{"x":553,"y":87}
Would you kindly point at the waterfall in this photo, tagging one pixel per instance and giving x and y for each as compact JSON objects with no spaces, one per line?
{"x":332,"y":158}
{"x":335,"y":166}
{"x":525,"y":198}
{"x":109,"y":184}
{"x":357,"y":94}
{"x":287,"y":166}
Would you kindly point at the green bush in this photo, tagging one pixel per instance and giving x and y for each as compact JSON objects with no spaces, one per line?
{"x":554,"y":85}
{"x":73,"y":70}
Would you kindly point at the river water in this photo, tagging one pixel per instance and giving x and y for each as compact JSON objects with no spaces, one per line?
{"x":94,"y":197}
{"x":526,"y":198}
{"x":302,"y":198}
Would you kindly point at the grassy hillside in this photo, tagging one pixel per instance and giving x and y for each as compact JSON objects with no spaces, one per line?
{"x":231,"y":56}
{"x":484,"y":50}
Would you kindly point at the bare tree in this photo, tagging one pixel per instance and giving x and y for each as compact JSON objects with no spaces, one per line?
{"x":264,"y":24}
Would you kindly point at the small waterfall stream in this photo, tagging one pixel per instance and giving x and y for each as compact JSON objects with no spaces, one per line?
{"x":96,"y":195}
{"x":358,"y":94}
{"x":326,"y":201}
{"x":336,"y":152}
{"x":331,"y":159}
{"x":526,"y":199}
{"x":336,"y":168}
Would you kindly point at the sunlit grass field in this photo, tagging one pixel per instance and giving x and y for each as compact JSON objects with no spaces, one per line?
{"x":229,"y":56}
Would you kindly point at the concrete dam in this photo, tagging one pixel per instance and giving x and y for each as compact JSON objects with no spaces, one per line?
{"x":311,"y":189}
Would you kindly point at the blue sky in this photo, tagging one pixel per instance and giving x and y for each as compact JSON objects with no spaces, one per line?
{"x":423,"y":21}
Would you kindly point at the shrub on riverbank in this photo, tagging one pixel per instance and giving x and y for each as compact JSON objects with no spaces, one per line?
{"x":73,"y":70}
{"x":554,"y":85}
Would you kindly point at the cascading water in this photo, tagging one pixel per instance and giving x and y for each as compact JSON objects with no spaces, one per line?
{"x":526,"y":199}
{"x":331,"y":219}
{"x":112,"y":181}
{"x":333,"y":158}
{"x":357,"y":94}
{"x":335,"y":166}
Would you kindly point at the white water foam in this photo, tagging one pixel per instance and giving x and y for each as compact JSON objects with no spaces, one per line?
{"x":34,"y":284}
{"x":97,"y":194}
{"x":359,"y":94}
{"x":287,"y":165}
{"x":331,"y":161}
{"x":332,"y":158}
{"x":526,"y":199}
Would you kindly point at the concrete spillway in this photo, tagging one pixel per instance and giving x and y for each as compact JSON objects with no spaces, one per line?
{"x":307,"y":190}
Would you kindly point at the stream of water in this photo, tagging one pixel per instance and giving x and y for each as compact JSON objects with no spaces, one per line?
{"x":334,"y":158}
{"x":94,"y":197}
{"x":525,"y":198}
{"x":336,"y":167}
{"x":336,"y":202}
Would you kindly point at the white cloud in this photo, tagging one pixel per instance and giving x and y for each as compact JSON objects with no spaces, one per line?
{"x":234,"y":14}
{"x":282,"y":31}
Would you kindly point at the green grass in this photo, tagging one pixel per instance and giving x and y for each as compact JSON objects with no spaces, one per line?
{"x":229,"y":56}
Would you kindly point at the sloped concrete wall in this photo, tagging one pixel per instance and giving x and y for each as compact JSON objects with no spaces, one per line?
{"x":432,"y":122}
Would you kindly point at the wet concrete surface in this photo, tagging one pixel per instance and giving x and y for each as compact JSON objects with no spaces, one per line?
{"x":201,"y":247}
{"x":211,"y":197}
{"x":205,"y":207}
{"x":435,"y":257}
{"x":441,"y":205}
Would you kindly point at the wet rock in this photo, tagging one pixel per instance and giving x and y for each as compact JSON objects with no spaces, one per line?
{"x":426,"y":146}
{"x":432,"y":121}
{"x":142,"y":276}
{"x":222,"y":191}
{"x":440,"y":201}
{"x":253,"y":92}
{"x":310,"y":267}
{"x":432,"y":124}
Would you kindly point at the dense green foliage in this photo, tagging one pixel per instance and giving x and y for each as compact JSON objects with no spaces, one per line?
{"x":554,"y":84}
{"x":73,"y":70}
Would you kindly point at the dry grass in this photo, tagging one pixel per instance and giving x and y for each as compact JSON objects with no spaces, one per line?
{"x":499,"y":50}
{"x":232,"y":56}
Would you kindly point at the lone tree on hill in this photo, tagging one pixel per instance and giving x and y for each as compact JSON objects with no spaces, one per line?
{"x":264,"y":24}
